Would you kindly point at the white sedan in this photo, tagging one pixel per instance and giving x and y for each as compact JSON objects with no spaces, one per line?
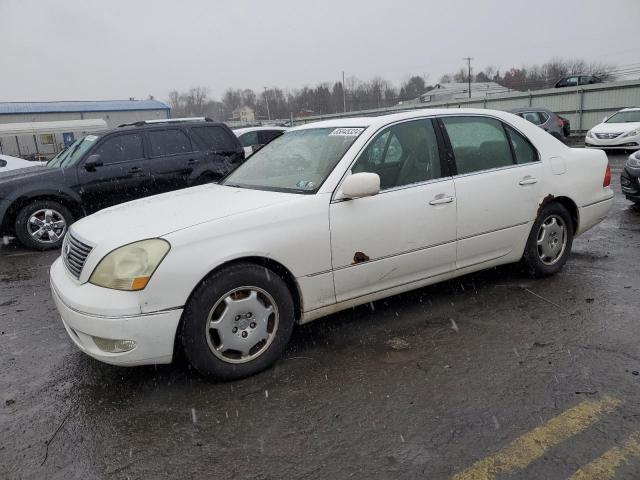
{"x":326,"y":217}
{"x":620,"y":131}
{"x":12,"y":163}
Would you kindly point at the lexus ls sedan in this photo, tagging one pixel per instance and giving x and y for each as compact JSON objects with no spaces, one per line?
{"x":328,"y":216}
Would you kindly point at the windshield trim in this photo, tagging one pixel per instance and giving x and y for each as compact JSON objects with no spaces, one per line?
{"x":294,"y":190}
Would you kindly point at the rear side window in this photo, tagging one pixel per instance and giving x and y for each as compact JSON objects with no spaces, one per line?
{"x":479,"y":143}
{"x":169,"y":142}
{"x":249,"y":139}
{"x":214,"y":138}
{"x":543,"y":117}
{"x":265,"y":136}
{"x":3,"y":163}
{"x":522,"y":149}
{"x":533,"y":117}
{"x":121,"y":148}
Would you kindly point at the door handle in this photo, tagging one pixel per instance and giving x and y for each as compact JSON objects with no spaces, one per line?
{"x":440,"y":199}
{"x":135,"y":170}
{"x":193,"y":161}
{"x":528,"y":180}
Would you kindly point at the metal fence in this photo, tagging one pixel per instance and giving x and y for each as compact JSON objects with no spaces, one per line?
{"x":584,"y":106}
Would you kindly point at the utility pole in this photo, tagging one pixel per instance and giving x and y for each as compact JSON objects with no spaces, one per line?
{"x":266,"y":99}
{"x":468,"y":59}
{"x":344,"y":96}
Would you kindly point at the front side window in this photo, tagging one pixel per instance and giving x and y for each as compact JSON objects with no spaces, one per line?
{"x":75,"y":152}
{"x":572,"y":81}
{"x":298,"y":162}
{"x":3,"y":163}
{"x":404,"y":154}
{"x":479,"y":143}
{"x":121,"y":148}
{"x":214,"y":138}
{"x":544,"y":116}
{"x":169,"y":142}
{"x":522,"y":149}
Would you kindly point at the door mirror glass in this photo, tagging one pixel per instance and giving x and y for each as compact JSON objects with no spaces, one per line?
{"x":92,"y":162}
{"x":364,"y":184}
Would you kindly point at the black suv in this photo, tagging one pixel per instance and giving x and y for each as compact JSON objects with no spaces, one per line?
{"x":37,"y":204}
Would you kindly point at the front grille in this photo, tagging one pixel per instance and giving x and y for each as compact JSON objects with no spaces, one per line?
{"x":74,"y":254}
{"x":607,"y":136}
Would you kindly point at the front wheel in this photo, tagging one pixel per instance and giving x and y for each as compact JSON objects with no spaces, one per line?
{"x":237,"y":322}
{"x":549,"y":243}
{"x":42,"y":225}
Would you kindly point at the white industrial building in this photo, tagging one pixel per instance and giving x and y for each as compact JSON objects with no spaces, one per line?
{"x":65,"y":122}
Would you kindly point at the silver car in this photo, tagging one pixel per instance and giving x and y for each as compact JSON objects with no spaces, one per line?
{"x":556,"y":125}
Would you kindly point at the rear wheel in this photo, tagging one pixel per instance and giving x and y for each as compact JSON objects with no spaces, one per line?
{"x":237,"y":322}
{"x":549,"y":243}
{"x":42,"y":225}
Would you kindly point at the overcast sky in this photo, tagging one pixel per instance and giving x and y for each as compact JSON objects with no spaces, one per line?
{"x":86,"y":49}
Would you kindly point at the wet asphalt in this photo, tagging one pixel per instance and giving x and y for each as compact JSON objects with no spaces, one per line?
{"x":421,"y":385}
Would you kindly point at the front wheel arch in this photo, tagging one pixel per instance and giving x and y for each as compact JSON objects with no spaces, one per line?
{"x":19,"y":203}
{"x":272,"y":265}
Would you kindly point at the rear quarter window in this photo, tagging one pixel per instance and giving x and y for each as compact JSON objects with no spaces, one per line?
{"x":214,"y":138}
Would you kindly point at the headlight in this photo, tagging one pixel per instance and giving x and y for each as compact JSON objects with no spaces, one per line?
{"x":590,"y":134}
{"x":632,"y":133}
{"x":130,"y":267}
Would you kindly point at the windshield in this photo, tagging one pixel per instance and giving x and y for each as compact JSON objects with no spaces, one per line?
{"x":625,"y":117}
{"x":298,"y":161}
{"x":74,"y":153}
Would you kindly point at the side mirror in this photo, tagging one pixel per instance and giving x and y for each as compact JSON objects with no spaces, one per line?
{"x":92,"y":162}
{"x":360,"y":185}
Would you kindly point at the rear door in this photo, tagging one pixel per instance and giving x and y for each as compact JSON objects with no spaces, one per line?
{"x":124,"y":174}
{"x":223,"y":152}
{"x":497,"y":186}
{"x":173,"y":158}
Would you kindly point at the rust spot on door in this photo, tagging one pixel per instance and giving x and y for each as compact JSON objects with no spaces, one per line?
{"x":360,"y":257}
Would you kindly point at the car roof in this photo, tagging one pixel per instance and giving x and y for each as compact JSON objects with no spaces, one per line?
{"x":383,"y":120}
{"x":529,"y":109}
{"x":629,"y":109}
{"x":240,"y":131}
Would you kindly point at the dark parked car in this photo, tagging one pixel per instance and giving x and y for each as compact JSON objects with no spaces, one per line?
{"x":38,"y":204}
{"x":575,"y":80}
{"x":556,"y":125}
{"x":630,"y":178}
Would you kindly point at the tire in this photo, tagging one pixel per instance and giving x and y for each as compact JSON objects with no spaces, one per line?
{"x":54,"y":220}
{"x":242,"y":289}
{"x":549,"y":243}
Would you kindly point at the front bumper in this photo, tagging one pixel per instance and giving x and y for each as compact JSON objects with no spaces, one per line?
{"x":618,"y":143}
{"x":153,"y":333}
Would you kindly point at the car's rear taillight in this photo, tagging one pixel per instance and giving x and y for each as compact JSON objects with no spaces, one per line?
{"x":559,"y":122}
{"x":607,"y":177}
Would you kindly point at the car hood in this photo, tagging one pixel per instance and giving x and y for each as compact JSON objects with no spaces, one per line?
{"x":159,"y":215}
{"x":12,"y":173}
{"x":615,"y":127}
{"x":13,"y":180}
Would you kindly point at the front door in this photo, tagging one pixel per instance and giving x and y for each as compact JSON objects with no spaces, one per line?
{"x":497,"y":187}
{"x":124,"y":174}
{"x":407,"y":232}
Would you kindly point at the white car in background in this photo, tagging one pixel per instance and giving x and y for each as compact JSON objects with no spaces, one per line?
{"x":253,"y":138}
{"x":328,"y":216}
{"x":620,"y":131}
{"x":12,"y":163}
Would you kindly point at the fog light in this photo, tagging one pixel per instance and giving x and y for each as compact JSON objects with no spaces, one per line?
{"x":114,"y":346}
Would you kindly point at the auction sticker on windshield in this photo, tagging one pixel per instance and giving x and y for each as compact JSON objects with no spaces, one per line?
{"x":90,"y":138}
{"x":346,"y":132}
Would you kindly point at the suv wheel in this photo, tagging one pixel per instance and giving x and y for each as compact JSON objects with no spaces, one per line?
{"x":549,"y":243}
{"x":237,"y":322}
{"x":41,"y":225}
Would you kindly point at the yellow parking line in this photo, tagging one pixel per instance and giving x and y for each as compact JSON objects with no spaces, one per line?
{"x":532,"y":445}
{"x":604,"y":467}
